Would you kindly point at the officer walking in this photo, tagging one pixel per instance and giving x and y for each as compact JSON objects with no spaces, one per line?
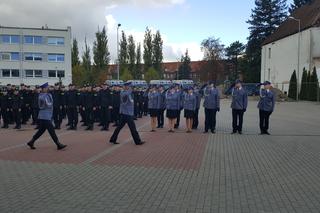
{"x":239,"y":106}
{"x":211,"y":106}
{"x":266,"y":107}
{"x":126,"y":116}
{"x":45,"y":117}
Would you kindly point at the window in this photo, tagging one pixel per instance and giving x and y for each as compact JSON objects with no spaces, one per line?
{"x":10,"y":56}
{"x":32,"y":39}
{"x":33,"y":56}
{"x":10,"y":39}
{"x":56,"y":73}
{"x":15,"y":73}
{"x":56,"y":57}
{"x":15,"y":57}
{"x":6,"y":73}
{"x":33,"y":73}
{"x":55,"y":41}
{"x":5,"y":56}
{"x":269,"y":74}
{"x":269,"y":53}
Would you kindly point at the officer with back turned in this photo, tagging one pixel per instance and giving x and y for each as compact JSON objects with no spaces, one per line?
{"x":72,"y":107}
{"x":116,"y":104}
{"x":57,"y":119}
{"x":105,"y":104}
{"x":239,"y":106}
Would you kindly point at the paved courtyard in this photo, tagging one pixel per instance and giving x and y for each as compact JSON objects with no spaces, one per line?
{"x":177,"y":172}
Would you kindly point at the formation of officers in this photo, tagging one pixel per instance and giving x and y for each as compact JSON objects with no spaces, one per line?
{"x":101,"y":104}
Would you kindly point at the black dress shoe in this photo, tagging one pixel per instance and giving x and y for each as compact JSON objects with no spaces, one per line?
{"x":141,"y":142}
{"x":205,"y":132}
{"x":213,"y":131}
{"x":61,"y":146}
{"x":240,"y":132}
{"x":18,"y":127}
{"x":113,"y":142}
{"x":30,"y":144}
{"x":89,"y":128}
{"x":267,"y":133}
{"x":233,"y":132}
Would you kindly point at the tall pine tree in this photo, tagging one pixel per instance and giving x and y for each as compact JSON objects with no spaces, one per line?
{"x":86,"y":62}
{"x":232,"y":52}
{"x":75,"y":53}
{"x":304,"y":85}
{"x":157,"y":55}
{"x":298,"y":3}
{"x":293,"y":86}
{"x":123,"y":54}
{"x":101,"y":55}
{"x":184,"y":68}
{"x":265,"y":19}
{"x":131,"y":56}
{"x":138,"y":66}
{"x":314,"y":86}
{"x":147,"y":50}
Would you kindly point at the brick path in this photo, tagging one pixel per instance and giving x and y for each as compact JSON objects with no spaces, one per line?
{"x":171,"y":173}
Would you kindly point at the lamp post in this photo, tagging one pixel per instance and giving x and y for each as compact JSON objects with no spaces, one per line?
{"x":299,"y":41}
{"x":118,"y":63}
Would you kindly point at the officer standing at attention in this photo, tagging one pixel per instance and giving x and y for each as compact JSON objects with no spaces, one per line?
{"x":189,"y":105}
{"x":5,"y":109}
{"x":239,"y":106}
{"x":89,"y":107}
{"x":162,"y":106}
{"x":45,"y":118}
{"x":211,"y":106}
{"x":56,"y":106}
{"x":105,"y":103}
{"x":266,"y":107}
{"x":35,"y":105}
{"x":173,"y":104}
{"x":126,"y":116}
{"x":180,"y":92}
{"x":196,"y":114}
{"x":116,"y":105}
{"x":153,"y":106}
{"x":72,"y":105}
{"x":17,"y":103}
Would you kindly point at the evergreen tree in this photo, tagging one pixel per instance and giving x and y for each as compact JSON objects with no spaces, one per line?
{"x":314,"y":86}
{"x":308,"y":85}
{"x":75,"y":53}
{"x":265,"y":19}
{"x":151,"y":74}
{"x":147,"y":50}
{"x":132,"y":56}
{"x":157,"y":54}
{"x":126,"y":75}
{"x":232,"y":52}
{"x":298,"y":3}
{"x":293,"y":86}
{"x":101,"y":55}
{"x":138,"y":66}
{"x":304,"y":85}
{"x":123,"y":54}
{"x":86,"y":62}
{"x":184,"y":68}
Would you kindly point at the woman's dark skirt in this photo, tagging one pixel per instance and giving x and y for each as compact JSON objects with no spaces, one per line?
{"x":153,"y":112}
{"x":172,"y":114}
{"x":189,"y":114}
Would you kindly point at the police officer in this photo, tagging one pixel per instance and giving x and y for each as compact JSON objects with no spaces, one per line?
{"x":266,"y":107}
{"x":5,"y":109}
{"x":105,"y":104}
{"x":126,"y":116}
{"x":162,"y":106}
{"x":116,"y":105}
{"x":17,"y":102}
{"x":56,"y":95}
{"x":196,"y":114}
{"x":45,"y":117}
{"x":89,"y":107}
{"x":179,"y":90}
{"x":72,"y":107}
{"x":25,"y":108}
{"x":153,"y":106}
{"x":173,"y":104}
{"x":239,"y":106}
{"x":189,"y":105}
{"x":35,"y":105}
{"x":211,"y":106}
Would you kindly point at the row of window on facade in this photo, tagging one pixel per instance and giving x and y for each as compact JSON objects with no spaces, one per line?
{"x":15,"y":56}
{"x":174,"y":75}
{"x":28,"y":39}
{"x":15,"y":73}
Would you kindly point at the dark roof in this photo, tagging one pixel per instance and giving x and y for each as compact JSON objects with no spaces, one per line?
{"x":34,"y":28}
{"x":309,"y":15}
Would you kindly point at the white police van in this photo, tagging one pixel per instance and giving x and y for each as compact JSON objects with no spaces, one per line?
{"x":183,"y":83}
{"x":165,"y":83}
{"x":114,"y":82}
{"x":138,"y":83}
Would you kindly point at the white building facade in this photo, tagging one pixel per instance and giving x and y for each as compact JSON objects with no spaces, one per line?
{"x":287,"y":50}
{"x":34,"y":56}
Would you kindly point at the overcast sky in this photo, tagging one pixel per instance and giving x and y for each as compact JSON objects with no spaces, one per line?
{"x":182,"y":23}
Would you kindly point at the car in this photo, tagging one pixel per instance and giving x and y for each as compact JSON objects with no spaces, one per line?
{"x":138,"y":83}
{"x":184,"y":83}
{"x":165,"y":83}
{"x":114,"y":82}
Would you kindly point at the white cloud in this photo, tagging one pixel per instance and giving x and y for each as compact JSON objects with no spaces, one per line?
{"x":84,"y":17}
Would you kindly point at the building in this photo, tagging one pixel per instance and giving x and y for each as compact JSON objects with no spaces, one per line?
{"x":35,"y":55}
{"x":287,"y":49}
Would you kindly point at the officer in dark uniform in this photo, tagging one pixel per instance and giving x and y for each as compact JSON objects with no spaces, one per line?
{"x":89,"y":107}
{"x":126,"y":116}
{"x":239,"y":106}
{"x":116,"y":105}
{"x":179,"y":91}
{"x":35,"y":105}
{"x":196,"y":113}
{"x":63,"y":106}
{"x":162,"y":106}
{"x":10,"y":89}
{"x":266,"y":107}
{"x":83,"y":92}
{"x":17,"y":102}
{"x":25,"y":108}
{"x":211,"y":106}
{"x":105,"y":104}
{"x":72,"y":107}
{"x":56,"y":95}
{"x":4,"y":109}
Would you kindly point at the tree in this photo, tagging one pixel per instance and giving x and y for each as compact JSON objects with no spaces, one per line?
{"x":266,"y":17}
{"x":123,"y":55}
{"x":213,"y":54}
{"x":157,"y":55}
{"x":298,"y":3}
{"x":151,"y":74}
{"x":184,"y":68}
{"x":232,"y":52}
{"x":304,"y":85}
{"x":101,"y":55}
{"x":126,"y":75}
{"x":147,"y":50}
{"x":75,"y":53}
{"x":78,"y":75}
{"x":132,"y":56}
{"x":314,"y":85}
{"x":86,"y":61}
{"x":138,"y":67}
{"x":293,"y":86}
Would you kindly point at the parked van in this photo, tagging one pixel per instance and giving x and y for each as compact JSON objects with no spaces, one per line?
{"x":114,"y":82}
